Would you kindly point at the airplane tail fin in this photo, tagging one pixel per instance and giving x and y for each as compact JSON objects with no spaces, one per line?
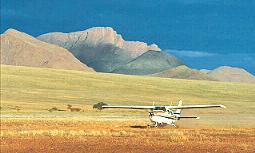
{"x":178,"y":111}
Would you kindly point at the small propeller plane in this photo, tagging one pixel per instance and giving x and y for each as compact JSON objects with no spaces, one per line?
{"x":165,"y":115}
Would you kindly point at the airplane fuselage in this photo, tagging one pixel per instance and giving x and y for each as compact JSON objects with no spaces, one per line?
{"x":161,"y":118}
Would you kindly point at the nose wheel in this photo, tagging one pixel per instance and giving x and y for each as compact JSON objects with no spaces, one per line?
{"x":153,"y":125}
{"x":174,"y":125}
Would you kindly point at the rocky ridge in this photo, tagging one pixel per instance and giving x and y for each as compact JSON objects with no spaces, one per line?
{"x":97,"y":36}
{"x":100,"y":47}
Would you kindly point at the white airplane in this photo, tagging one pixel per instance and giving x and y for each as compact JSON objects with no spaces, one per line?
{"x":165,"y":115}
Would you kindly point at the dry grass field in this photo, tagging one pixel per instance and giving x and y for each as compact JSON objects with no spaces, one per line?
{"x":83,"y":136}
{"x":27,"y":126}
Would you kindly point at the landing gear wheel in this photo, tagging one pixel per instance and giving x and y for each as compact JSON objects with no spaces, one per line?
{"x":152,"y":125}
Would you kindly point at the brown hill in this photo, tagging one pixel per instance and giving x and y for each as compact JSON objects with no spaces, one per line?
{"x":223,"y":73}
{"x":148,"y":63}
{"x":20,"y":49}
{"x":231,"y":74}
{"x":183,"y":72}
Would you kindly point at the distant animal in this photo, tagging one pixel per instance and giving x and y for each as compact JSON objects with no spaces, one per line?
{"x":73,"y":109}
{"x":55,"y":109}
{"x":17,"y":108}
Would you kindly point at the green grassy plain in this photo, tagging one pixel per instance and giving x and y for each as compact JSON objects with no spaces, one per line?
{"x":34,"y":90}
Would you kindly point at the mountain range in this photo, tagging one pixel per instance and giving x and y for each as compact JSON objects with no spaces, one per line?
{"x":100,"y":48}
{"x":223,"y":73}
{"x":103,"y":50}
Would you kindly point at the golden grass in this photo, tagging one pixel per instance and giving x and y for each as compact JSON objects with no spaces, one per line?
{"x":28,"y":126}
{"x":76,"y":128}
{"x":38,"y":135}
{"x":35,"y":90}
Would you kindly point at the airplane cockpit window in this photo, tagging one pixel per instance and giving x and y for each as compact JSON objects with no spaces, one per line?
{"x":160,"y":108}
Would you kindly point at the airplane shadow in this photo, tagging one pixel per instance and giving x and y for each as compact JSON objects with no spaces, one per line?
{"x":139,"y":126}
{"x":145,"y":127}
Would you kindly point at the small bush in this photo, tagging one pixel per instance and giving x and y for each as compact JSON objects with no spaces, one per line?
{"x":99,"y":105}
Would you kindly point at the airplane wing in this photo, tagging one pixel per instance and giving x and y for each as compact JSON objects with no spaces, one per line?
{"x":130,"y":107}
{"x":194,"y":106}
{"x":164,"y":107}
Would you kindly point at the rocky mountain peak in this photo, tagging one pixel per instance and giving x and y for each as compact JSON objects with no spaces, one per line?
{"x":11,"y":31}
{"x":97,"y":36}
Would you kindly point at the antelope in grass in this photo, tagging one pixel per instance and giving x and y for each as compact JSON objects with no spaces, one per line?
{"x":73,"y":109}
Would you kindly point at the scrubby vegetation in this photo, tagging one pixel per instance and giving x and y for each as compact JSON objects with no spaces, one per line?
{"x":82,"y":136}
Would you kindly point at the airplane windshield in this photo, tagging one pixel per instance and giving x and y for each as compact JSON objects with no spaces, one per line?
{"x":160,"y":108}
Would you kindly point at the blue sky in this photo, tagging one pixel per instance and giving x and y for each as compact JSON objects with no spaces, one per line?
{"x":202,"y":33}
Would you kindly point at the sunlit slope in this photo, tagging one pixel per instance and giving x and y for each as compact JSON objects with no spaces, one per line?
{"x":38,"y":85}
{"x":36,"y":89}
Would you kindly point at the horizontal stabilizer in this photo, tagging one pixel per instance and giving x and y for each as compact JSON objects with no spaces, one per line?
{"x":188,"y":117}
{"x":180,"y":117}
